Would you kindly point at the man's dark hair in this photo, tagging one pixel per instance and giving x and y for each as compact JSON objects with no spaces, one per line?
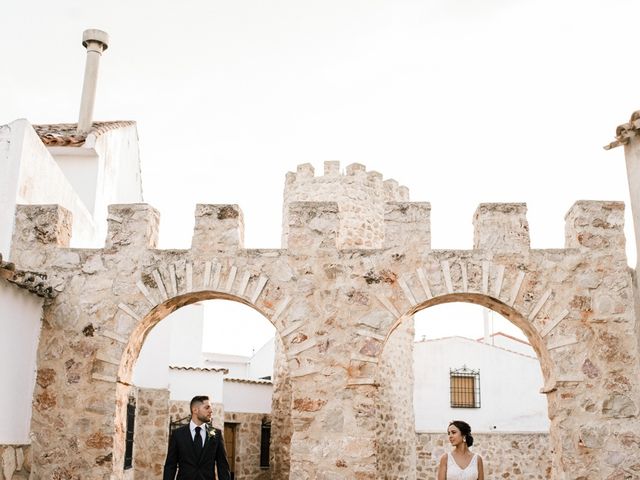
{"x":196,"y":400}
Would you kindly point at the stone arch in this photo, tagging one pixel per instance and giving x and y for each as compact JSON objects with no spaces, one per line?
{"x":514,"y":316}
{"x":530,"y":305}
{"x":161,"y":292}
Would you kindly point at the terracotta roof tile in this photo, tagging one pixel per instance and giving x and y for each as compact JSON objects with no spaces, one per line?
{"x":65,"y":134}
{"x":249,"y":380}
{"x":200,"y":369}
{"x":32,"y":281}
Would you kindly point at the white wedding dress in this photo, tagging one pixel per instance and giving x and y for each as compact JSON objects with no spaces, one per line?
{"x":454,"y":472}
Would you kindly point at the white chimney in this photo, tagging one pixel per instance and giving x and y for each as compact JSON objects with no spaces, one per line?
{"x":96,"y":42}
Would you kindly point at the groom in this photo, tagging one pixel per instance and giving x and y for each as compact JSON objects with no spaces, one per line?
{"x":196,"y":448}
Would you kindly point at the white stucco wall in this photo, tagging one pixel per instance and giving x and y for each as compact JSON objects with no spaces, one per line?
{"x":238,"y":365}
{"x":20,"y":314}
{"x":247,"y":397}
{"x":185,"y":384}
{"x":175,"y":341}
{"x":510,"y":386}
{"x":185,"y":344}
{"x":261,"y":364}
{"x":152,"y":368}
{"x":30,"y":175}
{"x":500,"y":340}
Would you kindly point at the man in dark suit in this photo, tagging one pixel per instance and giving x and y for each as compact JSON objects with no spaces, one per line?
{"x":195,"y":449}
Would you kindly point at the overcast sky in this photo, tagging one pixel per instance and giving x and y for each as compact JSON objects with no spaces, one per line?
{"x":462,"y":101}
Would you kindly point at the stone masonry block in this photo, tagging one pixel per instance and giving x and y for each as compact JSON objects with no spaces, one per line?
{"x":313,"y":226}
{"x":38,"y":226}
{"x":501,"y":227}
{"x":218,"y":227}
{"x":407,"y":224}
{"x":132,"y":226}
{"x":595,"y":225}
{"x":43,"y":224}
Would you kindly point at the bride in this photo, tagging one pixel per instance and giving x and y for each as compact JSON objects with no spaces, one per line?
{"x":460,"y":463}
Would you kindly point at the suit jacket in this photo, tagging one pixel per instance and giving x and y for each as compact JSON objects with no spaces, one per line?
{"x":181,"y":457}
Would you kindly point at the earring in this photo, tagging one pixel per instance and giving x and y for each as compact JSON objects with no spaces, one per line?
{"x":464,"y":439}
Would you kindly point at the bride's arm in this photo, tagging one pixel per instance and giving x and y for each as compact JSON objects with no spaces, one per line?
{"x":442,"y":468}
{"x":480,"y":468}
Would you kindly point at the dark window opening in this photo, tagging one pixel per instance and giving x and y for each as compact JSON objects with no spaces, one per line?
{"x":265,"y":440}
{"x":131,"y":420}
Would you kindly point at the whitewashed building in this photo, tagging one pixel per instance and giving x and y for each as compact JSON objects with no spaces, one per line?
{"x":492,"y":387}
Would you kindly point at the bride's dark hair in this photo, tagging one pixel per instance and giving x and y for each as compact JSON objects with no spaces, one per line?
{"x":465,"y":430}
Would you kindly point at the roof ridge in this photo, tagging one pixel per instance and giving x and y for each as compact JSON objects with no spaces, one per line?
{"x":66,"y":134}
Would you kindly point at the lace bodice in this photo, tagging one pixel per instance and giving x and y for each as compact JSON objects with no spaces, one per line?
{"x":454,"y":472}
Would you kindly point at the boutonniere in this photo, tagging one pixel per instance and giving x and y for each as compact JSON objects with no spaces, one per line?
{"x":212,"y":433}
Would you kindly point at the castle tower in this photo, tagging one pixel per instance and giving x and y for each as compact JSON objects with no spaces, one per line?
{"x":360,"y":195}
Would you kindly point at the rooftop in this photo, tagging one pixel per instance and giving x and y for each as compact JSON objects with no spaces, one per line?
{"x":66,"y":135}
{"x":32,"y":281}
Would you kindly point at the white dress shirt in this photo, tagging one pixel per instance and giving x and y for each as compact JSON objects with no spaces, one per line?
{"x":203,"y":431}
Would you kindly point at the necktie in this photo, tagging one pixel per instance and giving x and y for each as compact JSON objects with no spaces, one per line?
{"x":197,"y":442}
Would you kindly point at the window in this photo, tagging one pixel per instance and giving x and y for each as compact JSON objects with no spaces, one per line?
{"x":265,"y":440}
{"x":465,"y":387}
{"x":131,"y":420}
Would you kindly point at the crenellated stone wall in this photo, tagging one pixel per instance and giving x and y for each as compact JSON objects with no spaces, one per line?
{"x":522,"y":456}
{"x":334,"y":311}
{"x":15,"y":462}
{"x":360,"y":195}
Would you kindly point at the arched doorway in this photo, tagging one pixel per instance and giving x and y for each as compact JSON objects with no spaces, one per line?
{"x":400,"y":452}
{"x":176,"y":339}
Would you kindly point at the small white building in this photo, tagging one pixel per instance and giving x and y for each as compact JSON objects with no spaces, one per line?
{"x":84,"y":173}
{"x":488,"y":386}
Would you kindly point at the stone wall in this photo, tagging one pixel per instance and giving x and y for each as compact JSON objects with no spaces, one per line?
{"x":360,"y":195}
{"x":281,"y":427}
{"x":151,"y":433}
{"x":395,"y":439}
{"x":334,"y":310}
{"x":522,"y":456}
{"x":179,"y":409}
{"x":248,"y":437}
{"x":15,"y":462}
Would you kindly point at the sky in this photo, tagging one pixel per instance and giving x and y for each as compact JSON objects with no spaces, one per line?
{"x":462,"y":101}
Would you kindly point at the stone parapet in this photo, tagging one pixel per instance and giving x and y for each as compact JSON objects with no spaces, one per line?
{"x":39,"y":227}
{"x":359,"y":194}
{"x":313,"y":227}
{"x":217,"y":227}
{"x":594,"y":225}
{"x":501,"y":227}
{"x":407,"y":224}
{"x":132,"y":226}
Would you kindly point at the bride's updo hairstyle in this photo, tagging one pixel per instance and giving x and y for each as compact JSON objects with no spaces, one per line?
{"x":465,"y":430}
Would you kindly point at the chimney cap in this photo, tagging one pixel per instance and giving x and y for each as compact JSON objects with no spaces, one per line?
{"x":95,"y":35}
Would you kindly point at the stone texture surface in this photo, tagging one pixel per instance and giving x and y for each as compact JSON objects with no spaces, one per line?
{"x":151,"y":433}
{"x":15,"y":462}
{"x":522,"y":456}
{"x":395,"y":432}
{"x":334,"y":310}
{"x":248,"y":435}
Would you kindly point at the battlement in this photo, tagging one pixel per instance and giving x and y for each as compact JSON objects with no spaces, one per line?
{"x":316,"y":226}
{"x":360,"y":196}
{"x":356,"y":175}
